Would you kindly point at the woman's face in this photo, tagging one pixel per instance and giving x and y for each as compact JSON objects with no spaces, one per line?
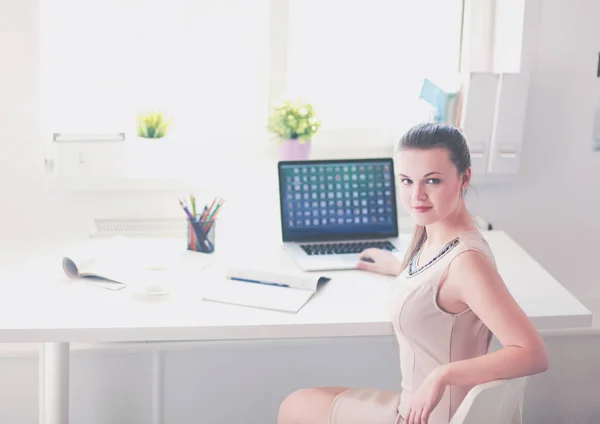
{"x":428,"y":184}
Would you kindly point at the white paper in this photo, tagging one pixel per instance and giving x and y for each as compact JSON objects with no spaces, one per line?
{"x":286,"y":299}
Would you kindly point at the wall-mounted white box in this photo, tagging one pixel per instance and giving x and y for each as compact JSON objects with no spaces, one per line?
{"x":89,"y":157}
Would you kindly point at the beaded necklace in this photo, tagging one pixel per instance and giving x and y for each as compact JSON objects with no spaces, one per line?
{"x":413,"y":269}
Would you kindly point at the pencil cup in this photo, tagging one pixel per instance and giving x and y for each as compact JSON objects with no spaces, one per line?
{"x":201,"y":236}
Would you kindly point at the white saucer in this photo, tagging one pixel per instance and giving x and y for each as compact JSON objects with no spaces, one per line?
{"x":155,"y":290}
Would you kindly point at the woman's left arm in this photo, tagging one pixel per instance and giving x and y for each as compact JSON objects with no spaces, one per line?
{"x":483,"y":290}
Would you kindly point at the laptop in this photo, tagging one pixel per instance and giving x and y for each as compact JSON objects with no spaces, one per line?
{"x":332,"y":210}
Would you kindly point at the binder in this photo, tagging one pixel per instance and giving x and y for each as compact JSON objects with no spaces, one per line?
{"x":509,"y":123}
{"x":478,"y":115}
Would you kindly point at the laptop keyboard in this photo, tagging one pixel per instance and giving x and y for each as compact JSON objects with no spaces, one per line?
{"x":343,"y":248}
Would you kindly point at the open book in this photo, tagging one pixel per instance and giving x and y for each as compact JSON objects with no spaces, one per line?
{"x":149,"y":264}
{"x":100,"y":262}
{"x":274,"y":290}
{"x":91,"y":272}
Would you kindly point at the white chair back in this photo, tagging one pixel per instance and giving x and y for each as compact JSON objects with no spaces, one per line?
{"x":495,"y":402}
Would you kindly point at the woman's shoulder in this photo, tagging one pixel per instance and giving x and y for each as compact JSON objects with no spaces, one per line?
{"x":474,"y":241}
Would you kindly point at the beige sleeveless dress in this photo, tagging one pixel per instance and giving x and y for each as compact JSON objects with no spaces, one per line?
{"x":427,"y":337}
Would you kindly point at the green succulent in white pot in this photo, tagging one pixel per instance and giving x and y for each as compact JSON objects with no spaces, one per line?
{"x":152,"y":124}
{"x":151,"y":149}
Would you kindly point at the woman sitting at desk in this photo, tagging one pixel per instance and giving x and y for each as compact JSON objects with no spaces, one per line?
{"x":447,"y":302}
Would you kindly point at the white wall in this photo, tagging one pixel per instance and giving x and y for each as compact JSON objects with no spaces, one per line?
{"x":20,"y":158}
{"x":553,"y":209}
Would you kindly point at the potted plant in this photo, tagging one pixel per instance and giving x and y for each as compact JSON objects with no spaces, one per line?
{"x":150,"y":151}
{"x":152,"y":124}
{"x":295,"y":123}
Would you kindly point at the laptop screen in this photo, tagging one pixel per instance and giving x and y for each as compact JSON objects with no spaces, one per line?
{"x":337,"y":199}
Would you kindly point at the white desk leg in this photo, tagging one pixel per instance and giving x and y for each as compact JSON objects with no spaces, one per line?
{"x":157,"y":387}
{"x":54,"y":383}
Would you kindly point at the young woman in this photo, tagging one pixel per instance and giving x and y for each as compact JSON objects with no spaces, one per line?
{"x":447,"y":302}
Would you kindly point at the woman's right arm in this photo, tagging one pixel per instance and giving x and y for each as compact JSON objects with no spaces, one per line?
{"x":383,"y":262}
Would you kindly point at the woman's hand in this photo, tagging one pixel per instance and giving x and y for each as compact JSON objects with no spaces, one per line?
{"x":426,"y":398}
{"x":382,"y":262}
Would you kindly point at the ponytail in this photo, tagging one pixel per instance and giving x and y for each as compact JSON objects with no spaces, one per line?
{"x":418,"y":238}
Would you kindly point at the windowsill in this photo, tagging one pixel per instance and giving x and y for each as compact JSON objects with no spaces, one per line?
{"x":223,"y":174}
{"x":216,"y":173}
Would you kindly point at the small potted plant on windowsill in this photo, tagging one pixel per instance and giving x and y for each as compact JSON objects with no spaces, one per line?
{"x":152,"y":125}
{"x":149,"y":150}
{"x":294,"y":123}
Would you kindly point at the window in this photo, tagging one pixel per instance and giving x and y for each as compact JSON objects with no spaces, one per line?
{"x":217,"y":65}
{"x":362,"y":62}
{"x":205,"y":63}
{"x":493,"y":35}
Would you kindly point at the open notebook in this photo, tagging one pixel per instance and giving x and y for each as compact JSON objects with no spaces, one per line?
{"x":274,"y":290}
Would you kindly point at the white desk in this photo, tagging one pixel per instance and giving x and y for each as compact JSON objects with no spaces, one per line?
{"x":42,"y":306}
